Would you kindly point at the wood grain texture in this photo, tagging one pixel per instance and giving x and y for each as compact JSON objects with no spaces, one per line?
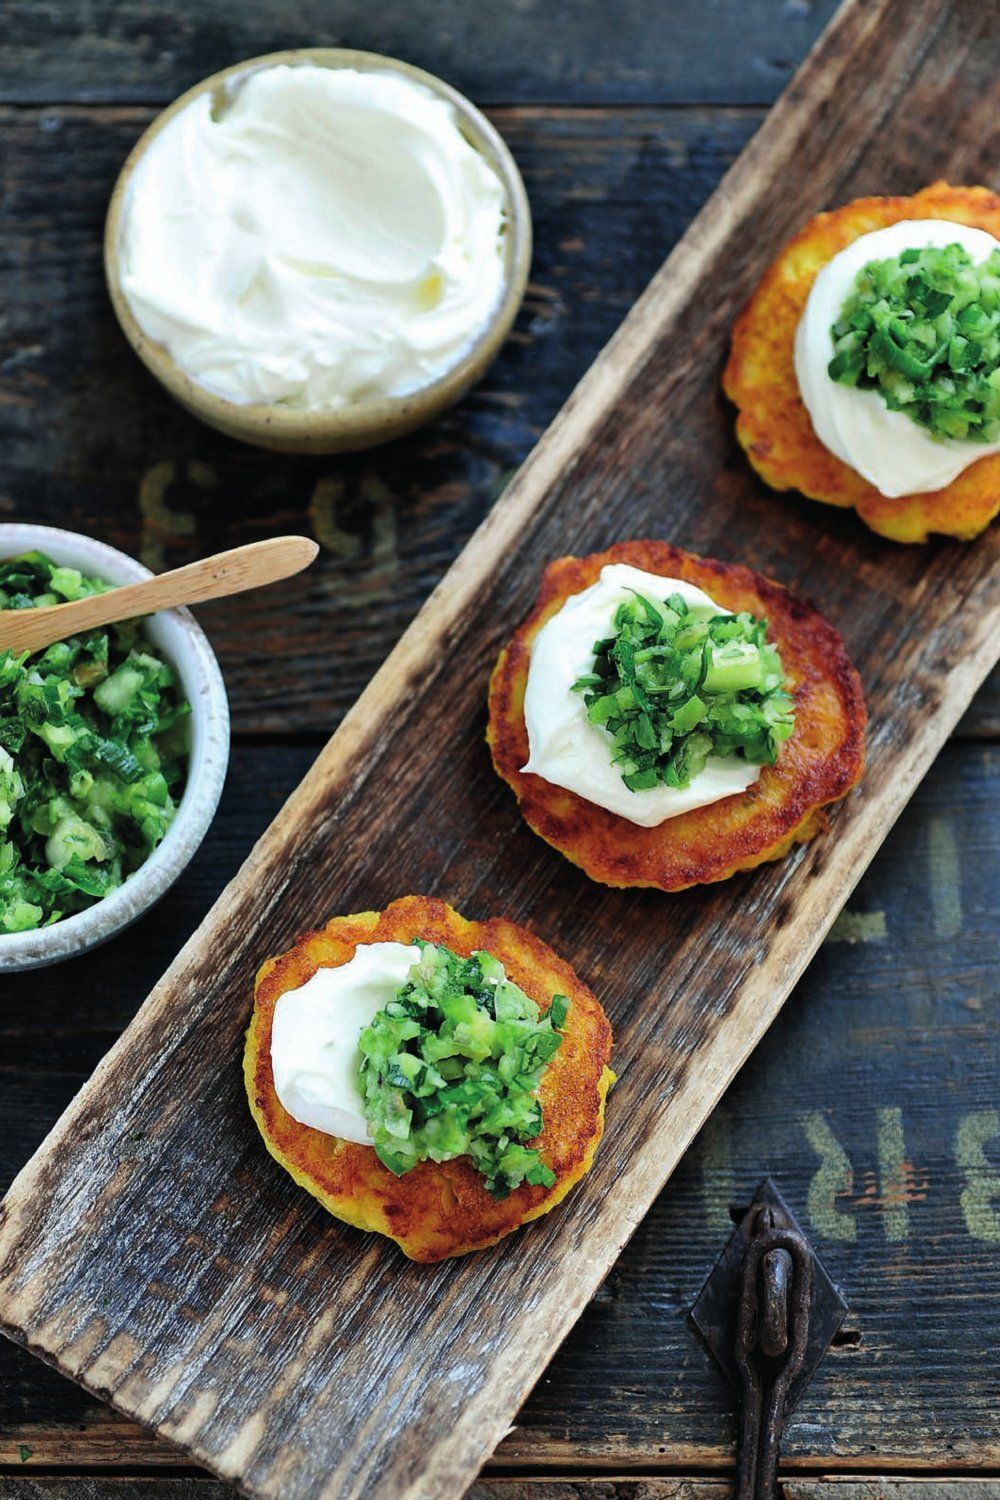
{"x":82,"y":1488}
{"x":729,"y":51}
{"x":868,"y":1100}
{"x":605,"y":1488}
{"x":200,"y":1309}
{"x":609,"y":1488}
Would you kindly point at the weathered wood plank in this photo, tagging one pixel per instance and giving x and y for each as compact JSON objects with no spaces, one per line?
{"x":591,"y":1487}
{"x":567,"y":1488}
{"x":83,"y":1488}
{"x":899,"y":995}
{"x":538,"y":51}
{"x":189,"y":1315}
{"x":950,"y":1488}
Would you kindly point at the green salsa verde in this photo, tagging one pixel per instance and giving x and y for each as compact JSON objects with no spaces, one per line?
{"x":93,"y":754}
{"x":451,"y":1067}
{"x":674,"y":685}
{"x":923,"y":329}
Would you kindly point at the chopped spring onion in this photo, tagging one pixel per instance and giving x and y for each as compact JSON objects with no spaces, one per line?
{"x":674,"y":686}
{"x":451,"y":1067}
{"x":93,"y":749}
{"x":923,"y":329}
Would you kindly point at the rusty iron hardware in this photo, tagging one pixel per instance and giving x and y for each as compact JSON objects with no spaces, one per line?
{"x":767,"y":1312}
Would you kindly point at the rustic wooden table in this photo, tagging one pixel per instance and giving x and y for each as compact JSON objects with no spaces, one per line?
{"x":873,"y":1101}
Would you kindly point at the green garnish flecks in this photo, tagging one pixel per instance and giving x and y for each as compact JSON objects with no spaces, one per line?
{"x":451,"y":1067}
{"x":93,"y":744}
{"x":673,"y":686}
{"x":923,"y":328}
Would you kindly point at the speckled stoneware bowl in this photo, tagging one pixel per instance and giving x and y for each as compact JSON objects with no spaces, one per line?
{"x":176,"y":633}
{"x":365,"y":423}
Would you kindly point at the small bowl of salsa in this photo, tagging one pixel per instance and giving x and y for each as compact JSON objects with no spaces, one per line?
{"x":113,"y":752}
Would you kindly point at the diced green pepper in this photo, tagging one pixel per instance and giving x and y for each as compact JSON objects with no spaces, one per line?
{"x":451,"y":1067}
{"x":674,"y":686}
{"x":115,"y":693}
{"x":923,"y":329}
{"x":733,"y":668}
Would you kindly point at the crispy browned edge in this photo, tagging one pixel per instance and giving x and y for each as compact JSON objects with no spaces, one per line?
{"x":436,"y":1210}
{"x":773,"y":424}
{"x":820,"y":763}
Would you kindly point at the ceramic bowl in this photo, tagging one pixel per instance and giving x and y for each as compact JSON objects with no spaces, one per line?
{"x":183,"y":642}
{"x":365,"y":423}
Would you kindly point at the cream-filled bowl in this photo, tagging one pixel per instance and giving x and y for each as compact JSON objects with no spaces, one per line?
{"x":176,"y":634}
{"x":319,"y":301}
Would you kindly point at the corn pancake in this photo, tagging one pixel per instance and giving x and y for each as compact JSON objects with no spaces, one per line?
{"x":773,"y":424}
{"x":820,"y":763}
{"x":437,"y":1209}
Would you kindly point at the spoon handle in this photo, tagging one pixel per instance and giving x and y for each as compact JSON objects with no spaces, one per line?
{"x":212,"y":578}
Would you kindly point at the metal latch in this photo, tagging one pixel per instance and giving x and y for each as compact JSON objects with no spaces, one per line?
{"x":767,"y":1312}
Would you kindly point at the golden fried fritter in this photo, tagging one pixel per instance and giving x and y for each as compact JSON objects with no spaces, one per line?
{"x":436,"y":1209}
{"x":774,"y":426}
{"x":821,"y":761}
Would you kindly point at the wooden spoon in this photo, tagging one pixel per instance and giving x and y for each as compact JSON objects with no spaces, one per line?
{"x":212,"y":578}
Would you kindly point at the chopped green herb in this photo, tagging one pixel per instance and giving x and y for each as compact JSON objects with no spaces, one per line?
{"x":923,"y":329}
{"x":93,"y":749}
{"x":451,"y":1067}
{"x":673,"y":686}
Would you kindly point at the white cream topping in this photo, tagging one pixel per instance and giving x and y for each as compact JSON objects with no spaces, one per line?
{"x":569,"y":751}
{"x":885,"y":447}
{"x":327,"y":236}
{"x":315,"y":1033}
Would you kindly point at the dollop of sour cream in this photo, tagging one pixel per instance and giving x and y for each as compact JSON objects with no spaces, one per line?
{"x":315,"y":1032}
{"x":889,"y":449}
{"x":323,"y":237}
{"x":569,"y":751}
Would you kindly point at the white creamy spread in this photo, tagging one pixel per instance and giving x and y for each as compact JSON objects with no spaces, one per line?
{"x":569,"y":751}
{"x":314,"y":1038}
{"x":885,"y":447}
{"x":327,"y":236}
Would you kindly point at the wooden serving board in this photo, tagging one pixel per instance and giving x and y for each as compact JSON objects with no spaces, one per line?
{"x":150,"y":1249}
